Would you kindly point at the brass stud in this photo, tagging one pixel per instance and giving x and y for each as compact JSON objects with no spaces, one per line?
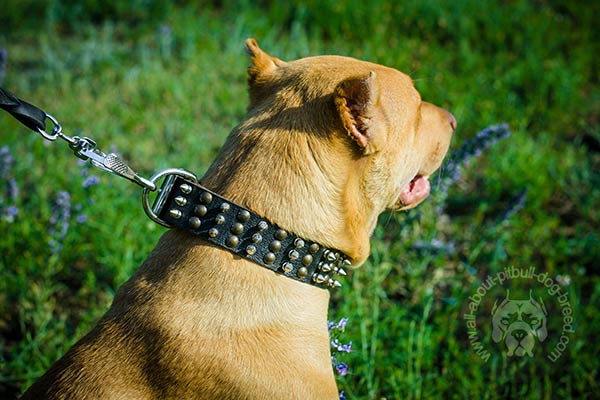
{"x":195,"y":222}
{"x":287,"y":267}
{"x":206,"y":198}
{"x":185,"y":188}
{"x":302,"y":272}
{"x":313,"y":248}
{"x":213,"y":232}
{"x":307,"y":259}
{"x":280,"y":234}
{"x":243,"y":215}
{"x":269,"y":258}
{"x":232,"y":241}
{"x":181,"y":201}
{"x":225,"y":207}
{"x":220,"y":219}
{"x":237,"y":228}
{"x":250,"y":250}
{"x":175,"y":214}
{"x":262,"y":225}
{"x":293,"y":255}
{"x":275,"y":245}
{"x":257,"y":238}
{"x":299,"y":243}
{"x":200,"y":210}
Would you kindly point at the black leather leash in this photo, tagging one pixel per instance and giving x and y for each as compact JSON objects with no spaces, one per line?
{"x":181,"y":202}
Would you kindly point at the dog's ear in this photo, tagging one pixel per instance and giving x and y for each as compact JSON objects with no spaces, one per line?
{"x":354,"y":101}
{"x":262,"y":63}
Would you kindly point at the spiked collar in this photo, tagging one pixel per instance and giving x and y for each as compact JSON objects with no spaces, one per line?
{"x":184,"y":203}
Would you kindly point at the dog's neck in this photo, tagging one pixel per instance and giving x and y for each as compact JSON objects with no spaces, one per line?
{"x":296,"y":184}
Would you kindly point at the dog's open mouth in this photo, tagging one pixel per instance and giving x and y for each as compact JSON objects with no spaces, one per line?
{"x":414,"y":192}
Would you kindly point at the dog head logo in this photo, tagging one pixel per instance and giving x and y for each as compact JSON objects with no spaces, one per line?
{"x":518,"y":323}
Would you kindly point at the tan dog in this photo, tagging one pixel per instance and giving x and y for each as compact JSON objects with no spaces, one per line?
{"x":328,"y":144}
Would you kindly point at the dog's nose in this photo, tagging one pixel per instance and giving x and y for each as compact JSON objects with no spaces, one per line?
{"x":519,"y":334}
{"x":453,"y":122}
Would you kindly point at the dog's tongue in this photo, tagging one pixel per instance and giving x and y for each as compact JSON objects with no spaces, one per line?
{"x":415,"y":191}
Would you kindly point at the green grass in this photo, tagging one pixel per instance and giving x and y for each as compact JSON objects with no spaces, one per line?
{"x":164,"y":84}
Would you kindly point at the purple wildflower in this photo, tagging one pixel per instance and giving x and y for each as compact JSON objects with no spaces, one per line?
{"x":345,"y":348}
{"x":470,"y":150}
{"x":3,"y":63}
{"x":59,"y":221}
{"x":341,"y":368}
{"x":515,"y":205}
{"x":82,"y":218}
{"x":91,"y":180}
{"x":9,"y":190}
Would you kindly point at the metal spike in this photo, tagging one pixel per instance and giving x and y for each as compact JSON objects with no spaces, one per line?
{"x":325,"y":267}
{"x":175,"y":214}
{"x":225,"y":207}
{"x":299,"y":243}
{"x":220,"y":219}
{"x":181,"y":201}
{"x":262,"y":225}
{"x":287,"y":267}
{"x":335,"y":284}
{"x":250,"y":250}
{"x":341,"y":272}
{"x":185,"y":188}
{"x":213,"y":232}
{"x":330,"y":256}
{"x":318,"y":278}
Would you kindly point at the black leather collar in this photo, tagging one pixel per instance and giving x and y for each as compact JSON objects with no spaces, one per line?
{"x":185,"y":204}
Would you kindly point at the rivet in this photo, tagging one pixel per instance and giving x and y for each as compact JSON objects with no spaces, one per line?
{"x":213,"y":232}
{"x":257,"y":238}
{"x":275,"y":245}
{"x":293,"y":255}
{"x":307,"y":259}
{"x":195,"y":222}
{"x":313,"y":248}
{"x":175,"y":214}
{"x":287,"y":266}
{"x":237,"y":228}
{"x":232,"y":241}
{"x":280,"y":234}
{"x":251,"y":249}
{"x":200,"y":210}
{"x":243,"y":215}
{"x":181,"y":201}
{"x":262,"y":225}
{"x":299,"y":243}
{"x":269,"y":258}
{"x":185,"y":188}
{"x":206,"y":198}
{"x":325,"y":267}
{"x":220,"y":219}
{"x":225,"y":207}
{"x":302,"y":272}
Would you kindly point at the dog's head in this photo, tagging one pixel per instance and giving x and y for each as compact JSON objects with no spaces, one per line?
{"x":347,"y":140}
{"x":518,"y":323}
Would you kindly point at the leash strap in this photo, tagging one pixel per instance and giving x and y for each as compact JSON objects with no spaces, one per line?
{"x":28,"y":114}
{"x":185,"y":204}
